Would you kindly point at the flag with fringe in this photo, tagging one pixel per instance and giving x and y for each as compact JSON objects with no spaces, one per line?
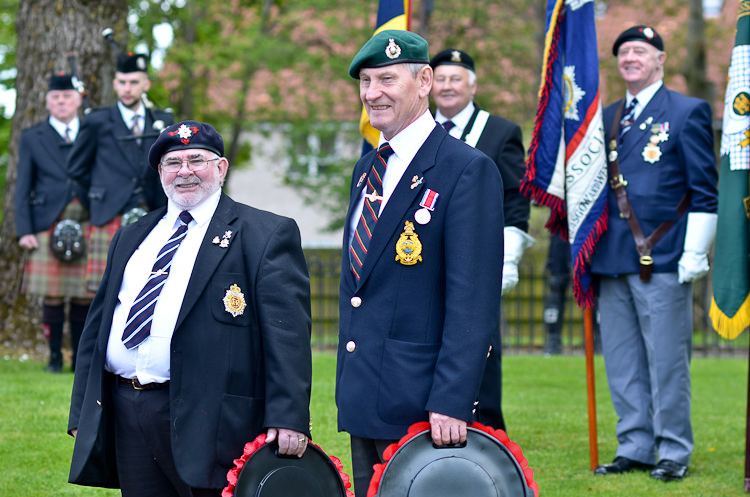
{"x":392,"y":14}
{"x":566,"y":168}
{"x":730,"y":304}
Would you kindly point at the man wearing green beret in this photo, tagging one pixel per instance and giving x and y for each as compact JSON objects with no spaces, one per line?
{"x":422,"y":262}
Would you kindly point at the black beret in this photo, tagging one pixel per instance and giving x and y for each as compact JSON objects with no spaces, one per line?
{"x":130,"y":62}
{"x":392,"y":46}
{"x":185,"y":135}
{"x":453,"y":57}
{"x":639,"y":33}
{"x":61,"y":81}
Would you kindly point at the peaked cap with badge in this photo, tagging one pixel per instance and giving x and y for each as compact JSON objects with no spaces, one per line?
{"x":639,"y":33}
{"x":392,"y":46}
{"x":185,"y":135}
{"x":453,"y":57}
{"x":132,"y":62}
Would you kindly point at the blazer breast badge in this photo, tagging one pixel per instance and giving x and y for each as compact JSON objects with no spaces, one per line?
{"x":408,"y":246}
{"x":234,"y":301}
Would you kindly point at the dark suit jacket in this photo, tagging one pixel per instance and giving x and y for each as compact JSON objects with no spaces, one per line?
{"x":43,"y":188}
{"x":231,"y":377}
{"x":109,"y":163}
{"x":502,"y":141}
{"x":687,"y":164}
{"x":418,"y":339}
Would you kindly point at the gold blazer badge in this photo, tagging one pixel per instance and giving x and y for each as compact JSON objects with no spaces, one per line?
{"x":408,"y":246}
{"x":234,"y":301}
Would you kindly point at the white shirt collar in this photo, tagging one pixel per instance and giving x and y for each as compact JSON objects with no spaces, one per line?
{"x":644,"y":96}
{"x":127,"y":114}
{"x":409,"y":140}
{"x":202,"y":213}
{"x":60,"y":126}
{"x":461,"y":120}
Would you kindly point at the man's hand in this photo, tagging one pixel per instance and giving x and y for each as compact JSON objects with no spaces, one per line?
{"x":28,"y":242}
{"x":447,"y":430}
{"x":291,"y":443}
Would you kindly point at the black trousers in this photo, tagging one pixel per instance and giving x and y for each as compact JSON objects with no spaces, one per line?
{"x":366,"y":452}
{"x":143,"y":450}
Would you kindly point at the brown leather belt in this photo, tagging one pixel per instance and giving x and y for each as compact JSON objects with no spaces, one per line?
{"x":137,"y":385}
{"x":643,"y":244}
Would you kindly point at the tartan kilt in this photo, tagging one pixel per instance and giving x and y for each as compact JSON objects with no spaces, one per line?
{"x":98,"y":245}
{"x":47,"y":276}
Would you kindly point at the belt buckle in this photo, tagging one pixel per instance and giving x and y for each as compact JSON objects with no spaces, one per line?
{"x":136,"y":384}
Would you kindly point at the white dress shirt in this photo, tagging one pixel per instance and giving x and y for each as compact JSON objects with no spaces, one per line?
{"x":127,"y":116}
{"x":149,"y":361}
{"x":405,"y":146}
{"x":644,"y":97}
{"x":60,"y":127}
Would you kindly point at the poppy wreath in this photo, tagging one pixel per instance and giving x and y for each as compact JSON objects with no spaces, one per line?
{"x":250,"y":448}
{"x":418,"y":428}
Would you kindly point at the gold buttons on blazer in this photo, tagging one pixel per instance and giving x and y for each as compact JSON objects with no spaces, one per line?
{"x":356,"y":301}
{"x":351,"y":346}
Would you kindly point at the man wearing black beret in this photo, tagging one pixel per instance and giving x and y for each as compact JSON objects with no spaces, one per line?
{"x":199,"y":336}
{"x":109,"y":159}
{"x":453,"y":92}
{"x":662,"y":205}
{"x":45,"y":196}
{"x":419,"y":299}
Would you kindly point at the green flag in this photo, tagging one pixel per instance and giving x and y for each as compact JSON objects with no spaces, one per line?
{"x":730,"y":305}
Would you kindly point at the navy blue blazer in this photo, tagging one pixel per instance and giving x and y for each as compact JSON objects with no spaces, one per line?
{"x":43,"y":188}
{"x":502,"y":141}
{"x":414,"y":339}
{"x":231,"y":377}
{"x":113,"y":167}
{"x":686,"y":164}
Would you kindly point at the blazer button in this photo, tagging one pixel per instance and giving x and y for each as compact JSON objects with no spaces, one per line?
{"x":350,"y":346}
{"x":356,"y":301}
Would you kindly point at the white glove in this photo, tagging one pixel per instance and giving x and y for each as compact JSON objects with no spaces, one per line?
{"x":699,"y":236}
{"x":515,"y":242}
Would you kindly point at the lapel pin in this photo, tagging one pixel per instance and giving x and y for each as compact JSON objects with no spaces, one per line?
{"x":361,"y":179}
{"x":415,"y":182}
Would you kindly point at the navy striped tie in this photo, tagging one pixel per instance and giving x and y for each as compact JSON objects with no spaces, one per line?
{"x":138,"y":324}
{"x":370,"y":210}
{"x":628,"y":116}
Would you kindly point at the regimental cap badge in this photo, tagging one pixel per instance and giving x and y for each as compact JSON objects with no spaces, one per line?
{"x":455,"y":56}
{"x":392,"y":51}
{"x":234,"y":301}
{"x":648,"y":33}
{"x":185,"y":132}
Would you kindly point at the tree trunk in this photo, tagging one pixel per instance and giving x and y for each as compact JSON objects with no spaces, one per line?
{"x":694,"y":67}
{"x":47,"y":32}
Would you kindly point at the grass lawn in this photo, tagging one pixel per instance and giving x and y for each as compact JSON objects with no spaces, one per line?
{"x":545,"y":407}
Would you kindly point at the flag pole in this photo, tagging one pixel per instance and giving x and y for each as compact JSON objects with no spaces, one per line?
{"x":588,"y":327}
{"x":747,"y":432}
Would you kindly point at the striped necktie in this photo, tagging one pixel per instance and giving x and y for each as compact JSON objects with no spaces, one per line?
{"x":628,"y":116}
{"x":138,"y":324}
{"x":67,"y":137}
{"x":370,"y":210}
{"x":136,"y":128}
{"x":448,"y":125}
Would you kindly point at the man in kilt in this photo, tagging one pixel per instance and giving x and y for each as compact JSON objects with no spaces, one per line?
{"x":110,"y":160}
{"x":44,"y":197}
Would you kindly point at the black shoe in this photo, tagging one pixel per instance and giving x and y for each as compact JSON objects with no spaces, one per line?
{"x":667,"y":470}
{"x":621,"y":465}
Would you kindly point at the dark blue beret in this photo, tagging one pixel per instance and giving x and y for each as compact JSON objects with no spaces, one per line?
{"x":185,"y":135}
{"x":453,"y":57}
{"x":639,"y":33}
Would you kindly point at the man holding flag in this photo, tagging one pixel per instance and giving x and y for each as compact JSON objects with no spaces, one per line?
{"x":662,"y":202}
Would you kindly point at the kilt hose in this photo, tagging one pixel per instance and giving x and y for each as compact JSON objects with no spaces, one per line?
{"x":99,"y":240}
{"x":47,"y":276}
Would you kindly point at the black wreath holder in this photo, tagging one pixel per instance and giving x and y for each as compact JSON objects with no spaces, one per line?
{"x":68,"y":242}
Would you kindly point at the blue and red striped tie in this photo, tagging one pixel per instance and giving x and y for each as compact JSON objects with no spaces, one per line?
{"x":138,"y":324}
{"x":370,"y":210}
